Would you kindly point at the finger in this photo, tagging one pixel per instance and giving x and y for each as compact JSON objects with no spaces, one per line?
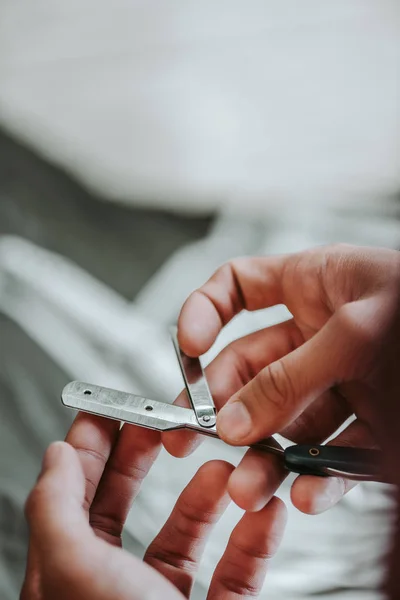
{"x":235,"y":366}
{"x":32,"y":585}
{"x":54,"y":511}
{"x":182,"y":442}
{"x":131,"y":459}
{"x":93,"y":438}
{"x":258,"y":475}
{"x":245,"y":283}
{"x":315,"y":424}
{"x":256,"y":479}
{"x":74,"y":562}
{"x":254,"y":541}
{"x":54,"y":508}
{"x":286,"y":387}
{"x":314,"y":495}
{"x":320,"y":420}
{"x":177,"y":550}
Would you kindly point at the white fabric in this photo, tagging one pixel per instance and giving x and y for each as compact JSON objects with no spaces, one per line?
{"x":196,"y":104}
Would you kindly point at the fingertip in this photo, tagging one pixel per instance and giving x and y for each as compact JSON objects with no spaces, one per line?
{"x":211,"y":480}
{"x":52,"y":456}
{"x":234,"y":423}
{"x":315,"y":495}
{"x":207,"y":491}
{"x":278,"y":513}
{"x":61,"y":469}
{"x":264,"y":529}
{"x":216,"y":472}
{"x":255,"y":480}
{"x":180,"y":444}
{"x":57,"y":454}
{"x":190,"y":342}
{"x":278,"y":505}
{"x":198,"y":325}
{"x":248,"y":490}
{"x":56,"y":500}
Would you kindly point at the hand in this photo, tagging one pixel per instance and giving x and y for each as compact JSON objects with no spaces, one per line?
{"x":77,"y":511}
{"x":302,"y":378}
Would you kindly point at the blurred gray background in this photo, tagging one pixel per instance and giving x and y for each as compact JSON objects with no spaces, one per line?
{"x":142,"y":144}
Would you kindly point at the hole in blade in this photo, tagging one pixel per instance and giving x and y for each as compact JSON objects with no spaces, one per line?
{"x":148,"y":407}
{"x":87,"y":393}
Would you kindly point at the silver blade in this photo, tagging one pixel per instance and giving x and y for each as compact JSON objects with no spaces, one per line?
{"x":127,"y":407}
{"x":196,"y":385}
{"x":137,"y":410}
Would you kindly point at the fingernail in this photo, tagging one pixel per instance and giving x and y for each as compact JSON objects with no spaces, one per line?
{"x":234,"y":422}
{"x":52,"y":455}
{"x":331,"y":494}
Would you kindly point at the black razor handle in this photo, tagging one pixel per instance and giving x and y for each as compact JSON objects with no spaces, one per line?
{"x":335,"y":461}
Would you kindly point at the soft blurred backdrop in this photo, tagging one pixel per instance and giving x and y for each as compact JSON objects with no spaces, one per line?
{"x":142,"y":144}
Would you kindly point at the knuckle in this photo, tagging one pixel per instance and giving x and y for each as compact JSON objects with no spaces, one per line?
{"x":253,"y":552}
{"x":35,"y":501}
{"x":239,"y":587}
{"x":224,"y":272}
{"x":275,"y":386}
{"x":244,"y":369}
{"x":63,"y":582}
{"x":302,"y":429}
{"x":174,"y":558}
{"x":91,"y":454}
{"x":90,"y":491}
{"x":236,"y":264}
{"x":347,"y":317}
{"x":339,"y":248}
{"x":238,"y":296}
{"x":190,"y":513}
{"x":360,"y":343}
{"x":128,"y":471}
{"x":109,"y":525}
{"x":357,"y":328}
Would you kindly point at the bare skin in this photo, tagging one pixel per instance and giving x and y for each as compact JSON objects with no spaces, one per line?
{"x":77,"y":511}
{"x":339,"y":355}
{"x":302,"y":378}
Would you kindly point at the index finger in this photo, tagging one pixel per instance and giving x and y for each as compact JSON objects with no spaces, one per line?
{"x":241,"y":284}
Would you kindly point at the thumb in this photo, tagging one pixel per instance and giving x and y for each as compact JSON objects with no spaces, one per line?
{"x":54,"y":508}
{"x":283,"y":389}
